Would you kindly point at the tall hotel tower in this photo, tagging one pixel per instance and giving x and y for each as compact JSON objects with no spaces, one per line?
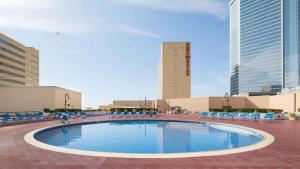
{"x":19,"y":65}
{"x":264,"y":46}
{"x":174,"y":70}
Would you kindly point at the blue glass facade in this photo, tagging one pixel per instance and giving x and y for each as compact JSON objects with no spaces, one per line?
{"x":268,"y":46}
{"x":234,"y":47}
{"x":291,"y":43}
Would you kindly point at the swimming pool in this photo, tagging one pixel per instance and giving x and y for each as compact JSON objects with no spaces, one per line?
{"x":146,"y":137}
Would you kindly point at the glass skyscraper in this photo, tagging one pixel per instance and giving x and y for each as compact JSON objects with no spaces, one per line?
{"x":264,"y":46}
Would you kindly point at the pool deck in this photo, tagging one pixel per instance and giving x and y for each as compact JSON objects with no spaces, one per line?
{"x":284,"y":153}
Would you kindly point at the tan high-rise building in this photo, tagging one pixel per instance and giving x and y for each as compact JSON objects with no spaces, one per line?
{"x":174,"y":74}
{"x":19,"y":65}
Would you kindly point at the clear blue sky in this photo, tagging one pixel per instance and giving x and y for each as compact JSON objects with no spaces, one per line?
{"x":109,"y":49}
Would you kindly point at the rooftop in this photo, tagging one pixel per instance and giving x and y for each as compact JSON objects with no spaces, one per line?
{"x":283,"y":153}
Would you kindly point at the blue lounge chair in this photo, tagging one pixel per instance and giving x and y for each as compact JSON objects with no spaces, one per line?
{"x":65,"y":118}
{"x":221,"y":115}
{"x":156,"y":114}
{"x":269,"y":116}
{"x":82,"y":114}
{"x":232,"y":115}
{"x":39,"y":115}
{"x":204,"y":114}
{"x":142,"y":114}
{"x":113,"y":114}
{"x":148,"y":114}
{"x":6,"y":117}
{"x":254,"y":116}
{"x":110,"y":114}
{"x":130,"y":114}
{"x":134,"y":114}
{"x":243,"y":116}
{"x":126,"y":114}
{"x":213,"y":115}
{"x":20,"y":116}
{"x":29,"y":116}
{"x":119,"y":114}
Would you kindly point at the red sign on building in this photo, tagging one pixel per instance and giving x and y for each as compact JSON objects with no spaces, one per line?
{"x":188,"y":59}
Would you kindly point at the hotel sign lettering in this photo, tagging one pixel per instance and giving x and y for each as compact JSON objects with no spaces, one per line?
{"x":188,"y":59}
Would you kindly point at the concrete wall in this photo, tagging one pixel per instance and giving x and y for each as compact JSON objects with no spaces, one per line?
{"x":133,"y":103}
{"x":74,"y":101}
{"x":262,"y":102}
{"x":234,"y":102}
{"x":191,"y":104}
{"x":285,"y":102}
{"x":36,"y":98}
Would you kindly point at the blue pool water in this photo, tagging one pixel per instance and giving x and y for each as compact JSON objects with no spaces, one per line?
{"x":148,"y":137}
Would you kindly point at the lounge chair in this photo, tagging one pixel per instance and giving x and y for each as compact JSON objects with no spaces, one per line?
{"x":269,"y":117}
{"x":6,"y":117}
{"x":20,"y":116}
{"x":148,"y":114}
{"x":156,"y":114}
{"x":221,"y":115}
{"x":29,"y":116}
{"x":114,"y":114}
{"x":243,"y":116}
{"x":134,"y":114}
{"x":232,"y":115}
{"x":142,"y":114}
{"x":119,"y":114}
{"x":213,"y":115}
{"x":203,"y":115}
{"x":110,"y":114}
{"x":254,"y":116}
{"x":65,"y":118}
{"x":39,"y":115}
{"x":126,"y":114}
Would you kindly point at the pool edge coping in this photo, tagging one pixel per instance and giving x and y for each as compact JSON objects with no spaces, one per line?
{"x":268,"y":139}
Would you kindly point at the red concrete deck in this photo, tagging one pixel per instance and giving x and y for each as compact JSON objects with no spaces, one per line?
{"x":284,"y":153}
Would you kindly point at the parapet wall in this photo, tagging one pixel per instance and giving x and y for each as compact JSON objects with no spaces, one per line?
{"x":285,"y":102}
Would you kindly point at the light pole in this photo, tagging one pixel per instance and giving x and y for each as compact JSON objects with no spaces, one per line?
{"x":145,"y":103}
{"x":226,"y":99}
{"x":67,"y":97}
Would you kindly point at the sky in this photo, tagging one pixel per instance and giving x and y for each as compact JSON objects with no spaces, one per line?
{"x":109,"y":49}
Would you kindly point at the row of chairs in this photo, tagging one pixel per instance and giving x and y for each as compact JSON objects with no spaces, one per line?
{"x":236,"y":115}
{"x":133,"y":114}
{"x":35,"y":116}
{"x":69,"y":114}
{"x":21,"y":117}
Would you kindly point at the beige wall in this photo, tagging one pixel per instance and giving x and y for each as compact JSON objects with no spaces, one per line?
{"x":36,"y":98}
{"x":19,"y":65}
{"x":191,"y":104}
{"x":285,"y":102}
{"x":133,"y":103}
{"x":258,"y":102}
{"x":74,"y":101}
{"x":219,"y":102}
{"x":173,"y":79}
{"x":297,"y":101}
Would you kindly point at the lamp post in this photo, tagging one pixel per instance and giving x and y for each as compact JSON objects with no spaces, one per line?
{"x":67,"y":97}
{"x":145,"y":103}
{"x":226,"y":100}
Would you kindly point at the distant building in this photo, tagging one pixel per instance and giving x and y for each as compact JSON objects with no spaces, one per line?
{"x":37,"y":98}
{"x":19,"y":65}
{"x":264,"y":46}
{"x":174,"y":72}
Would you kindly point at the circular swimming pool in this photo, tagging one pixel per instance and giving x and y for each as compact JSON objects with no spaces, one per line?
{"x":148,"y":138}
